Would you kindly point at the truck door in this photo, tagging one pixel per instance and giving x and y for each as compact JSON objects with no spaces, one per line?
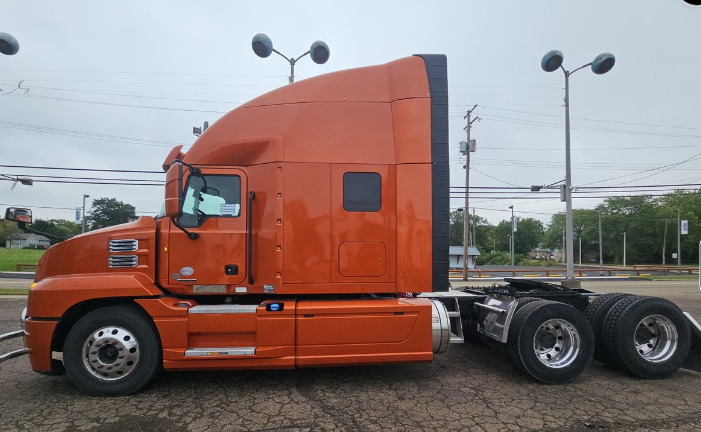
{"x":213,"y":209}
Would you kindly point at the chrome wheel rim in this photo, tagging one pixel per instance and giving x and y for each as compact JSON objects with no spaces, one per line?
{"x":656,"y":338}
{"x":556,"y":343}
{"x":111,"y":353}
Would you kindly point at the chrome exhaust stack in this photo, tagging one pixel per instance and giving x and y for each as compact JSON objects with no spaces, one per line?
{"x":440,"y":327}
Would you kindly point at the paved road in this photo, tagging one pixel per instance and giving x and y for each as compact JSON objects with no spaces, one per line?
{"x":468,"y":388}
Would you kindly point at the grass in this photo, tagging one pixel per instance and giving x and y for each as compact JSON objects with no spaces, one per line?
{"x":14,"y":291}
{"x":9,"y":258}
{"x":668,"y":277}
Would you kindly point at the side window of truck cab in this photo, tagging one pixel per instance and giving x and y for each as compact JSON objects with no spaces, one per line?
{"x":211,"y":196}
{"x":362,"y":192}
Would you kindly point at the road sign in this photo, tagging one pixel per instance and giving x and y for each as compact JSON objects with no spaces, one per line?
{"x":674,"y":255}
{"x":685,"y":227}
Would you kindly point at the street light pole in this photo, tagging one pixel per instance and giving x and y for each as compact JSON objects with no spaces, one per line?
{"x":601,"y":249}
{"x":84,"y":198}
{"x":513,"y":251}
{"x":551,"y":62}
{"x":624,"y":249}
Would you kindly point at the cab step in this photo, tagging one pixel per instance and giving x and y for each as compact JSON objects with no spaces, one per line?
{"x":214,"y":352}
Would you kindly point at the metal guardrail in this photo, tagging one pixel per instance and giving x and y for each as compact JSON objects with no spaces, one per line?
{"x":643,"y":271}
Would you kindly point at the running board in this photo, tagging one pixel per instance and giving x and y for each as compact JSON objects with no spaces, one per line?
{"x":215,"y":352}
{"x":222,"y":309}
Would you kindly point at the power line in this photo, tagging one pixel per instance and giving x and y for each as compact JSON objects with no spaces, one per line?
{"x":87,"y":135}
{"x":119,"y":104}
{"x":594,"y":120}
{"x":33,"y":176}
{"x":93,"y":182}
{"x":664,"y":168}
{"x":81,"y":169}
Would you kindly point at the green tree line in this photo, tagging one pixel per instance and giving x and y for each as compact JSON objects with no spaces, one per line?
{"x":650,"y":224}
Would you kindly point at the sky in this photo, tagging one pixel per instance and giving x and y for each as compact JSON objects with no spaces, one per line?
{"x":115,"y":85}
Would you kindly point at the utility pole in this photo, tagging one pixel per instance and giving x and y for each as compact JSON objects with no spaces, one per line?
{"x":474,"y":227}
{"x":664,"y":243}
{"x":624,"y":249}
{"x":679,"y":242}
{"x":84,"y":197}
{"x":601,"y":249}
{"x":466,"y":212}
{"x":513,"y":244}
{"x":580,"y":250}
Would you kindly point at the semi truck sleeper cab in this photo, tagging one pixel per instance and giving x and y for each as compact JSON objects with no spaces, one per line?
{"x":309,"y":227}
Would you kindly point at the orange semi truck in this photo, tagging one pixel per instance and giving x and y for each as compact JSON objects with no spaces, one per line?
{"x":309,"y":227}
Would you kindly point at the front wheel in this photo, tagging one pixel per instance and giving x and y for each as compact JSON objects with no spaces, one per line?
{"x":113,"y":351}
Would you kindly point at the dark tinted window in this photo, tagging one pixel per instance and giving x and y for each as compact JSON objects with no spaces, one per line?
{"x":362,"y":192}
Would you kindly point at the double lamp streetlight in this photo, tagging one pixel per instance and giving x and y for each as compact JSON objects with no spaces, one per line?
{"x":551,"y":62}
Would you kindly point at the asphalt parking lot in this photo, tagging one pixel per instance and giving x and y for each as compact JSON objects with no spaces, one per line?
{"x":469,"y":388}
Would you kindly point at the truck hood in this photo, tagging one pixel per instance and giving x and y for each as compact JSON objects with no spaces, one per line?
{"x":126,"y":248}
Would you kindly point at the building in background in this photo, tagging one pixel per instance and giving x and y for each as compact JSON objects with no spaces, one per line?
{"x":456,"y":254}
{"x":22,"y":241}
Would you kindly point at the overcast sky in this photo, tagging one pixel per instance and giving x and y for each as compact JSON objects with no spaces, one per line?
{"x":115,"y":85}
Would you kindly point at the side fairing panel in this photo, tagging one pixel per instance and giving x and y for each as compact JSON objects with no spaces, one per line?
{"x":307,"y":223}
{"x":414,"y":229}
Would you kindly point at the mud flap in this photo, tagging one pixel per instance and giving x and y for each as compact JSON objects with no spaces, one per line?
{"x":693,"y":360}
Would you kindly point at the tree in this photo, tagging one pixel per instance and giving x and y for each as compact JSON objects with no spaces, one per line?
{"x":57,"y":227}
{"x":107,"y":212}
{"x":482,"y":237}
{"x":6,"y":229}
{"x":528,"y":236}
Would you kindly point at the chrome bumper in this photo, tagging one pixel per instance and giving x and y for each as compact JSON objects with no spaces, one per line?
{"x":12,"y":335}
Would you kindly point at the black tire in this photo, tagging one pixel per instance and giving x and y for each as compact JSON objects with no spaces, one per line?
{"x":142,"y":337}
{"x":596,"y":313}
{"x":529,"y":320}
{"x":624,"y":327}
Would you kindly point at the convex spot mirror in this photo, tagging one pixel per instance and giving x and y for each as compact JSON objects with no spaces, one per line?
{"x":18,"y":214}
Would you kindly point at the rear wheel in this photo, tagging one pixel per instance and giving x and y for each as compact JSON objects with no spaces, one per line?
{"x":596,"y":313}
{"x":646,"y":336}
{"x":550,"y":341}
{"x":113,"y":351}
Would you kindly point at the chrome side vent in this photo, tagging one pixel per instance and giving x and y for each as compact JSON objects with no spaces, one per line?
{"x":124,"y":245}
{"x":121,"y":261}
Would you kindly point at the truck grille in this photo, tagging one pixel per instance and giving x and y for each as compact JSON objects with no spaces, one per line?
{"x":117,"y":261}
{"x":124,"y":245}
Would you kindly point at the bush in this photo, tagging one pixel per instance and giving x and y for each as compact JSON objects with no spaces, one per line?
{"x":496,"y":258}
{"x":537,"y":262}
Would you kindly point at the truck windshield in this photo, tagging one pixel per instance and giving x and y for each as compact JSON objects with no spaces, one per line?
{"x":211,"y":196}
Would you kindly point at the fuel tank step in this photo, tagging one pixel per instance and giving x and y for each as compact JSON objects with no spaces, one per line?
{"x":222,"y":309}
{"x":214,"y":352}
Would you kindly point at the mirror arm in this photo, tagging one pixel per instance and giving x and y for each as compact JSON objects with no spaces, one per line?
{"x":194,"y":170}
{"x":23,"y":226}
{"x":190,"y":235}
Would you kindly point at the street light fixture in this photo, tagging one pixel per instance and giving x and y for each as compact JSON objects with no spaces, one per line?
{"x":84,"y":198}
{"x":551,"y":62}
{"x":8,"y":44}
{"x":263,"y":47}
